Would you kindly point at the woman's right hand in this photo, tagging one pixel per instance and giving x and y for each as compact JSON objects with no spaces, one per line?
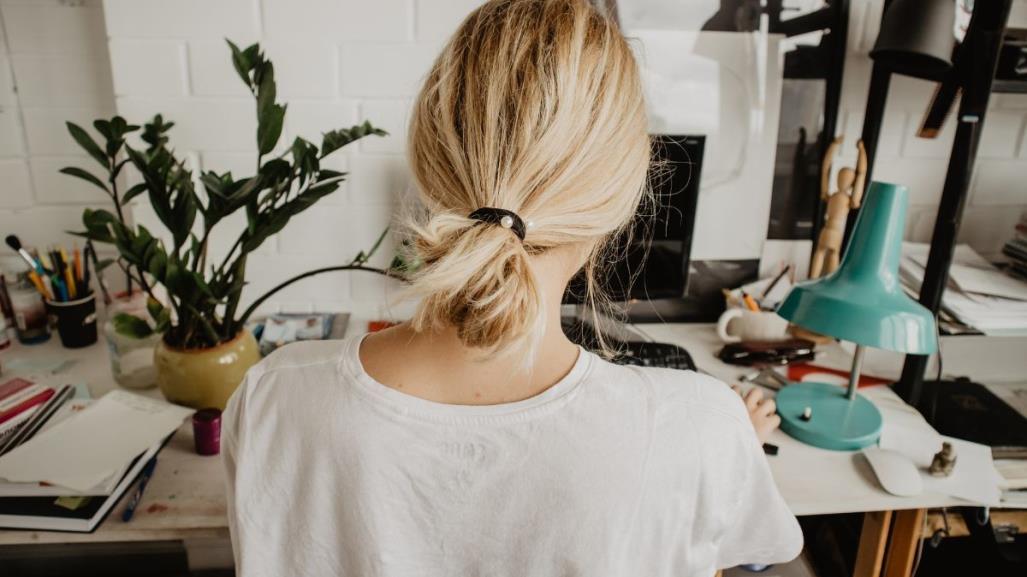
{"x":762,"y":412}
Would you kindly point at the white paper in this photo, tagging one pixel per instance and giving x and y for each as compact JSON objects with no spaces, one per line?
{"x":105,"y":487}
{"x":906,"y":431}
{"x":778,"y":254}
{"x":989,"y":281}
{"x":83,"y":450}
{"x":974,"y":477}
{"x":1013,"y":473}
{"x":988,"y":313}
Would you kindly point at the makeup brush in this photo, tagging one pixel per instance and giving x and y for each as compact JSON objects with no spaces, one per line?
{"x":15,"y":243}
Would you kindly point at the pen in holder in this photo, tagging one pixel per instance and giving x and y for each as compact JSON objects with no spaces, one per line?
{"x":75,"y":320}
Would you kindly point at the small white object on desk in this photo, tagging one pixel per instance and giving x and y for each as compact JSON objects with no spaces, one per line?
{"x":896,"y":472}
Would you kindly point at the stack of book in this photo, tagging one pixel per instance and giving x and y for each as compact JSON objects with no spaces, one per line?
{"x":19,"y":400}
{"x":979,"y":296}
{"x":66,"y":460}
{"x":1016,"y":250}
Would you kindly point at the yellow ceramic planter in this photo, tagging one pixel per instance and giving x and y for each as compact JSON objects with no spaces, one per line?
{"x":202,"y":378}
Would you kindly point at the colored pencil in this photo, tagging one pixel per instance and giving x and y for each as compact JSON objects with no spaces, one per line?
{"x":69,"y":274}
{"x":750,"y":303}
{"x":38,"y":283}
{"x":78,"y":267}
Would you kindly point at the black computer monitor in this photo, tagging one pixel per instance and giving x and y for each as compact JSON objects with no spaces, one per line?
{"x":655,"y":257}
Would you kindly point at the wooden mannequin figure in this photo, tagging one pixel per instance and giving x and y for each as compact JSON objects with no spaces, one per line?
{"x":850,"y":183}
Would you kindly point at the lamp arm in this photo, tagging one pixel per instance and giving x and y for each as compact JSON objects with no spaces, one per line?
{"x":857,"y":368}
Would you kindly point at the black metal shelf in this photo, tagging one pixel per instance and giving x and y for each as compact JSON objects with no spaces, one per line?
{"x":1001,"y":86}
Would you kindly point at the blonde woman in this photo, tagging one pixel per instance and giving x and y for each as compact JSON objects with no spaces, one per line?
{"x":476,"y":439}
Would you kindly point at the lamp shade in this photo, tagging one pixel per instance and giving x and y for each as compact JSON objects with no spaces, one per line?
{"x":917,"y":38}
{"x":862,"y":301}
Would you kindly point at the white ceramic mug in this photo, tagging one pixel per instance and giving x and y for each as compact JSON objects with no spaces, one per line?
{"x":737,"y":325}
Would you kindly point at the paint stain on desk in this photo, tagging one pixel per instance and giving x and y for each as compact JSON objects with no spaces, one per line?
{"x":156,"y":508}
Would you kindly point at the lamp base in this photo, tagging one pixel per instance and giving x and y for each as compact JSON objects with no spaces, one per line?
{"x":835,"y":422}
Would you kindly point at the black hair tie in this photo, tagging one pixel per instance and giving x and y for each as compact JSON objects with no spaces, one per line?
{"x":502,"y":217}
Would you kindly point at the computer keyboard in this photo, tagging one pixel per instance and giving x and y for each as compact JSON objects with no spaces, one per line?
{"x":639,"y":353}
{"x":646,"y":354}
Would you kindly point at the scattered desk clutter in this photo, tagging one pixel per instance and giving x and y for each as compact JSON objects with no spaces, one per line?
{"x":84,"y":452}
{"x":811,"y":166}
{"x":979,"y":296}
{"x":281,"y":329}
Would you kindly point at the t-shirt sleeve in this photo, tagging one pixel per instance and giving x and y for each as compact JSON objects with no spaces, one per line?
{"x":762,"y":529}
{"x":233,"y":423}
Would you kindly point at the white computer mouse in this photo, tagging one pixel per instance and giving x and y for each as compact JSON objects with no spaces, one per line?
{"x":895,"y":471}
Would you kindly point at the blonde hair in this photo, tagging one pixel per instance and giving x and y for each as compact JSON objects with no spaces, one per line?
{"x":534,"y":106}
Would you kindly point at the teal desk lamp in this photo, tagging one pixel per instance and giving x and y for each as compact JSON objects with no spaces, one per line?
{"x":861,"y":302}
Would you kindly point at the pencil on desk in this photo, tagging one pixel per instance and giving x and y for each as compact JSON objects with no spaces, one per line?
{"x":750,"y":303}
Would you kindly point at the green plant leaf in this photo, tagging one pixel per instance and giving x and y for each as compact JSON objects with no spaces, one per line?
{"x":86,"y":176}
{"x":131,"y":326}
{"x":155,"y":260}
{"x":98,"y":225}
{"x":133,"y":192}
{"x":336,"y":139}
{"x":244,"y":60}
{"x":120,"y":127}
{"x":153,"y":307}
{"x":267,"y":89}
{"x":155,"y":133}
{"x":304,"y":155}
{"x":163,"y":321}
{"x":87,"y":143}
{"x":269,"y":128}
{"x":104,"y":128}
{"x":103,"y":264}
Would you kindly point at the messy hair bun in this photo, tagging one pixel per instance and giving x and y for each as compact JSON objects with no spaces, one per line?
{"x":536,"y":107}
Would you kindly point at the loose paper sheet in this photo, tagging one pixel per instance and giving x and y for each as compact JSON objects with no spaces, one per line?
{"x":906,"y":431}
{"x":974,"y":477}
{"x":83,"y":450}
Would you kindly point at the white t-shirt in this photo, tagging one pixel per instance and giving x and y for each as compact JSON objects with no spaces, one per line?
{"x":612,"y":471}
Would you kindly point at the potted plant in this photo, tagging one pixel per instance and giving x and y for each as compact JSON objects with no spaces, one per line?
{"x":205,"y":350}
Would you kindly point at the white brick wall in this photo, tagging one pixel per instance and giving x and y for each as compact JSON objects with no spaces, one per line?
{"x":337,"y":62}
{"x":54,"y":67}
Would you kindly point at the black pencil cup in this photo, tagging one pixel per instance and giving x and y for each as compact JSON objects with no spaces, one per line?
{"x":75,"y":320}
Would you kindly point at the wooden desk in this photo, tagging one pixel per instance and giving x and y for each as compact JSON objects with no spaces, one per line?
{"x":185,"y":498}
